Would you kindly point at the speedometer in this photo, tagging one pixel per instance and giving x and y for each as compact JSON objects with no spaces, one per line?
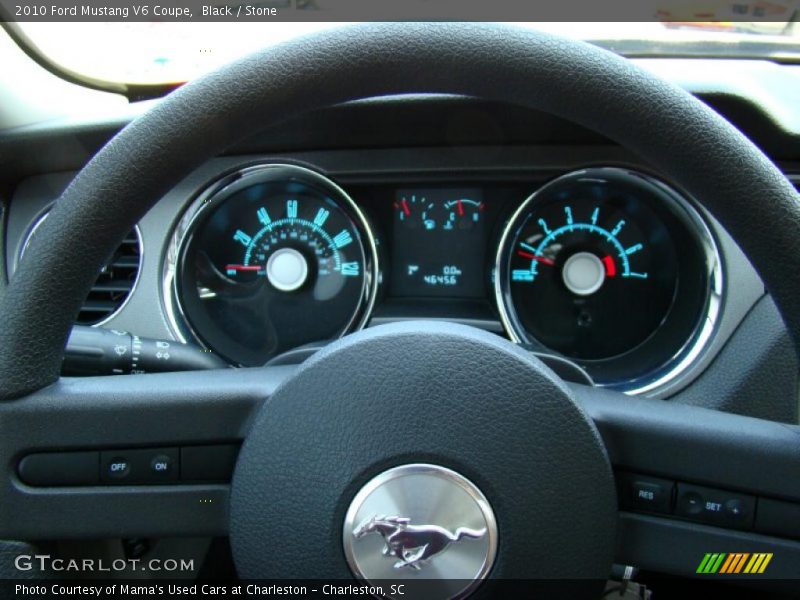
{"x":612,"y":269}
{"x":273,"y":259}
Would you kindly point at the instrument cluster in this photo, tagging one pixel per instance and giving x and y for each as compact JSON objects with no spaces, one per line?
{"x":607,"y":267}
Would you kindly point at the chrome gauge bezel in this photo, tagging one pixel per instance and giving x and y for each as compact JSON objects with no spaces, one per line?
{"x":105,"y":320}
{"x":682,"y":361}
{"x":208,"y":199}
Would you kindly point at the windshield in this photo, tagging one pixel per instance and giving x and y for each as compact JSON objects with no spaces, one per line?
{"x":175,"y":52}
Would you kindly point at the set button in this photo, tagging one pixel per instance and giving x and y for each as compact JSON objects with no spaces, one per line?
{"x":716,"y":507}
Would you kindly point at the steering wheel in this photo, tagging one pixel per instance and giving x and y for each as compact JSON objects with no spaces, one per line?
{"x":477,"y":416}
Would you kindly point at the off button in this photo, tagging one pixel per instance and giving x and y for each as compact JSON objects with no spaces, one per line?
{"x":117,"y":468}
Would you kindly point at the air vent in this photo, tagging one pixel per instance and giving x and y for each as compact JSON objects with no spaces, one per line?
{"x":114,"y":283}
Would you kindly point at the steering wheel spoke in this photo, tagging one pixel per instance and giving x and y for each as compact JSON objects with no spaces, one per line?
{"x":669,"y":438}
{"x":120,"y":415}
{"x":737,"y":456}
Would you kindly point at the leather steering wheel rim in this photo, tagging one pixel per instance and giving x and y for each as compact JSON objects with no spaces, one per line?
{"x":683,"y":138}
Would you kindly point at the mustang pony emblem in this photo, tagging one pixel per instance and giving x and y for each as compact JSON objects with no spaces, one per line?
{"x":413,"y":544}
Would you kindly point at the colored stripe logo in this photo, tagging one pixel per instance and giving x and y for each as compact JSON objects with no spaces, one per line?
{"x":734,"y":563}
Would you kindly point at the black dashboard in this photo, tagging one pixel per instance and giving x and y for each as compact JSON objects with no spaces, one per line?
{"x":436,"y":208}
{"x":381,"y":211}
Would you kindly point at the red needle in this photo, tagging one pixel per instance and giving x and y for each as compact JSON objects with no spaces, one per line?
{"x":460,"y":208}
{"x":406,"y":210}
{"x":541,"y":259}
{"x":611,"y":268}
{"x":242,"y":267}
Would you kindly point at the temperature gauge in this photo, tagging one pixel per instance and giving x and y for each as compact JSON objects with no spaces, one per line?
{"x":463,"y":213}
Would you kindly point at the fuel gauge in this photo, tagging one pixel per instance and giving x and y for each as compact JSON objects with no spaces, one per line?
{"x":416,"y":211}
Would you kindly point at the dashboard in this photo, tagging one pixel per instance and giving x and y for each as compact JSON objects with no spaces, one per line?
{"x":431,"y":208}
{"x":560,"y":241}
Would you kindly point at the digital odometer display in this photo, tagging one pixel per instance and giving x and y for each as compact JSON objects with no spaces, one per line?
{"x":439,"y":243}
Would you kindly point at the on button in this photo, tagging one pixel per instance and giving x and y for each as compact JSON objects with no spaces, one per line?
{"x":161,"y":465}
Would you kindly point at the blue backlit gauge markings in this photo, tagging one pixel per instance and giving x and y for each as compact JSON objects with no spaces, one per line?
{"x":580,"y":279}
{"x":585,"y":271}
{"x":606,"y":267}
{"x":292,"y":252}
{"x":280,"y":259}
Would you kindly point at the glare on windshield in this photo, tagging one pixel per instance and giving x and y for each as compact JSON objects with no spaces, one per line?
{"x":174,"y":52}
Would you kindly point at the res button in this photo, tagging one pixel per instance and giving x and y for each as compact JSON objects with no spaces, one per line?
{"x":641,"y":492}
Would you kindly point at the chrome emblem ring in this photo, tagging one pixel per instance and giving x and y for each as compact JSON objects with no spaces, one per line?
{"x":421,"y":521}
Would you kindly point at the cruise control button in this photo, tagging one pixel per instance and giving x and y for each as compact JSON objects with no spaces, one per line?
{"x":117,"y":468}
{"x":735,"y":508}
{"x":690,"y":504}
{"x":640,"y":492}
{"x":716,"y":507}
{"x":140,"y":466}
{"x":161,"y":465}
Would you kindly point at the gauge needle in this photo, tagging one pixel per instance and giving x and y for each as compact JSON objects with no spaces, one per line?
{"x":242,"y":267}
{"x":546,"y":261}
{"x":611,"y":268}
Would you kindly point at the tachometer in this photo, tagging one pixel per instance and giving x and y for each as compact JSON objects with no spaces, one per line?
{"x":610,"y":268}
{"x":276,"y":258}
